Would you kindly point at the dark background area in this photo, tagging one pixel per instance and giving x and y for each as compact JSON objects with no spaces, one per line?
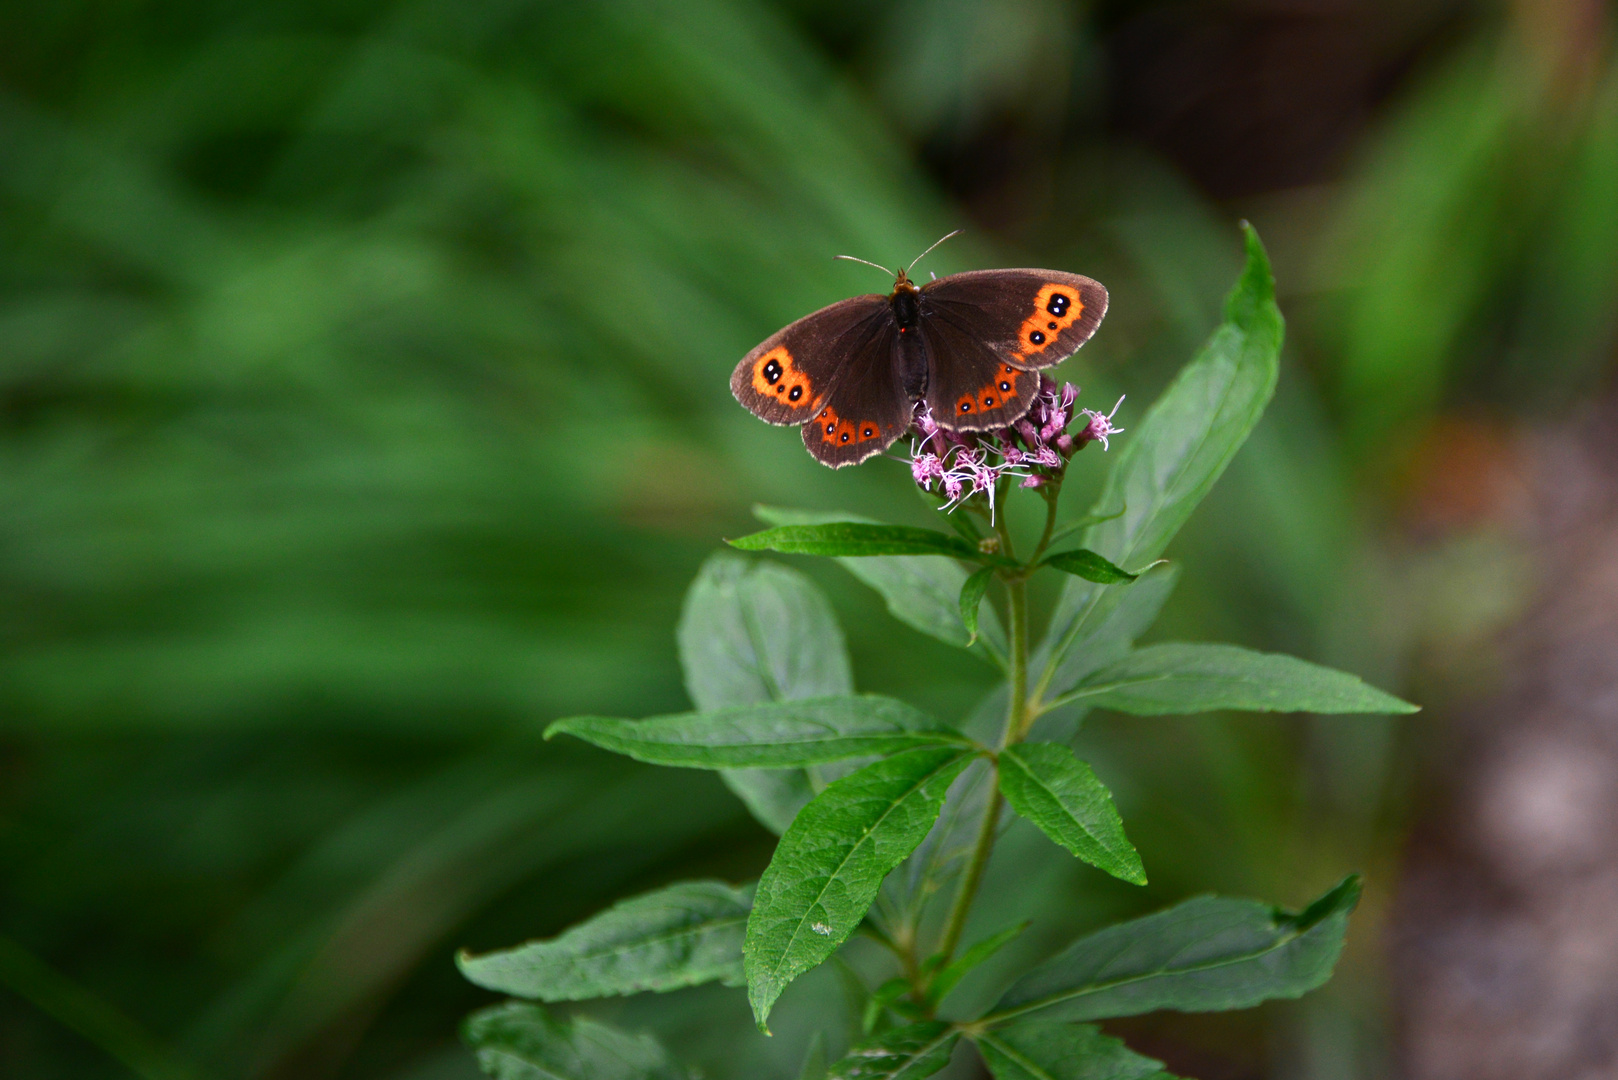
{"x":363,"y":407}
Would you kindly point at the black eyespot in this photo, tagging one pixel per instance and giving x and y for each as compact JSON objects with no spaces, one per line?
{"x":830,"y":428}
{"x":867,"y":433}
{"x":797,"y":392}
{"x":1050,"y":326}
{"x":1059,"y":303}
{"x":966,"y":406}
{"x":1005,"y":388}
{"x":845,"y":436}
{"x":1037,"y":338}
{"x":988,"y":403}
{"x":772,"y":371}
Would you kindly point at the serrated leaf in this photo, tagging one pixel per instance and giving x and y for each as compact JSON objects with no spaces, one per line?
{"x":851,"y":539}
{"x":981,"y":951}
{"x":905,"y":1053}
{"x":524,"y":1042}
{"x":1048,"y":785}
{"x":1207,"y":954}
{"x":752,"y":632}
{"x":1188,"y":678}
{"x":831,"y":862}
{"x":1175,"y":454}
{"x":921,"y":591}
{"x":972,"y":591}
{"x":776,"y":734}
{"x":1086,"y":564}
{"x":682,"y":935}
{"x":1043,"y":1050}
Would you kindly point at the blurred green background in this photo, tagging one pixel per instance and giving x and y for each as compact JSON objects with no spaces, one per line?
{"x":363,"y":405}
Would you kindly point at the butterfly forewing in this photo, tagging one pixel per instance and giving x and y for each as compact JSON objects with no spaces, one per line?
{"x":790,"y":377}
{"x":1029,"y":318}
{"x":867,"y":407}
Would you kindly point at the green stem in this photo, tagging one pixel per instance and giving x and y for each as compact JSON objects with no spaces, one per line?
{"x":973,"y":875}
{"x":1017,"y":721}
{"x":1051,"y":492}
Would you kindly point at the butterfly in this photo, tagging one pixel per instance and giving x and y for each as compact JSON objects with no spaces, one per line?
{"x":969,"y":345}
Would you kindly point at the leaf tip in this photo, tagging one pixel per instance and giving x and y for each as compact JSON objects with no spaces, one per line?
{"x":1255,"y":289}
{"x":1341,"y":898}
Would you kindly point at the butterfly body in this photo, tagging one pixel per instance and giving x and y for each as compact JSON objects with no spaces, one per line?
{"x":969,"y":345}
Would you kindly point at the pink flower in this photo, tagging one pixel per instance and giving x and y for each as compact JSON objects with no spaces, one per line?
{"x":1100,"y":428}
{"x":1034,"y":450}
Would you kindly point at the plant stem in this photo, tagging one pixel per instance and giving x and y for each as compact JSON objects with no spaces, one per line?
{"x":973,"y":875}
{"x":1017,"y":720}
{"x":1051,"y":492}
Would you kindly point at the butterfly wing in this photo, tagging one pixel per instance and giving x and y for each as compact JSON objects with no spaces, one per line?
{"x":867,"y":407}
{"x":789,"y":377}
{"x":970,"y":387}
{"x":1030,"y":318}
{"x":834,"y":367}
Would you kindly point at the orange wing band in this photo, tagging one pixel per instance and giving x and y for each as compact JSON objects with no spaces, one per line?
{"x":992,"y":395}
{"x":839,"y":432}
{"x":778,"y":379}
{"x":1056,"y":308}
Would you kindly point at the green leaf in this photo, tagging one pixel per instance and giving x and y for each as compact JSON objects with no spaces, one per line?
{"x":946,"y":980}
{"x":1179,"y":678}
{"x":523,"y":1042}
{"x":852,"y":539}
{"x":1056,"y":791}
{"x":776,"y":734}
{"x":1043,"y":1050}
{"x":829,"y":865}
{"x":1173,"y":456}
{"x":972,"y":591}
{"x":1207,"y":954}
{"x":921,"y":591}
{"x":906,"y":1053}
{"x":752,"y":632}
{"x":1084,"y":563}
{"x":683,"y":935}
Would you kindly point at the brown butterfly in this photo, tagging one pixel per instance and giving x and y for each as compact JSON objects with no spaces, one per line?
{"x":969,"y":345}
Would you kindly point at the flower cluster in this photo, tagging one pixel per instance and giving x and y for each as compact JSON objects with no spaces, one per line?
{"x":1035,"y":449}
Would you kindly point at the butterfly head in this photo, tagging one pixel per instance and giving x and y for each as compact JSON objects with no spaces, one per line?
{"x":906,"y":308}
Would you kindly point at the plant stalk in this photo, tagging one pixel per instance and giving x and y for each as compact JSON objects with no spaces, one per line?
{"x":1017,"y":721}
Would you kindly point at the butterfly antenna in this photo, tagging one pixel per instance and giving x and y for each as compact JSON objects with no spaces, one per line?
{"x":867,"y":262}
{"x":924,"y":254}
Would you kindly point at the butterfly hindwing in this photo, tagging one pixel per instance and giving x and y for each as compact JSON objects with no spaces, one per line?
{"x":1029,"y":318}
{"x":969,"y":386}
{"x":789,"y":378}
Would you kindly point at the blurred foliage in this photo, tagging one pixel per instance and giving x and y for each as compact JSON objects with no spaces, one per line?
{"x":362,"y":406}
